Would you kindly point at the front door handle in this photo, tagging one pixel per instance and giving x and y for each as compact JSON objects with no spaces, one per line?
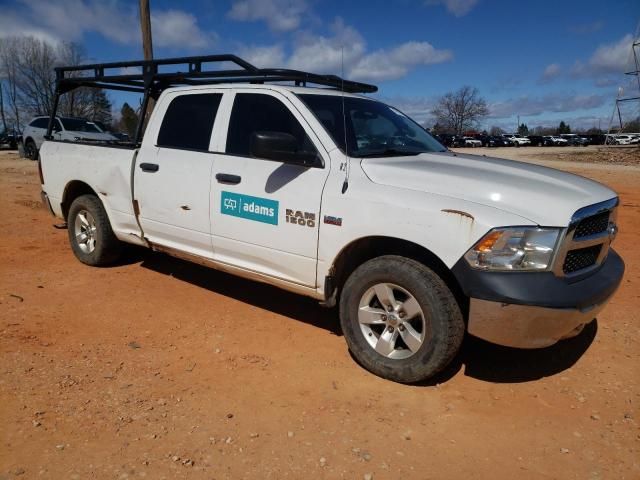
{"x":149,"y":167}
{"x":228,"y":178}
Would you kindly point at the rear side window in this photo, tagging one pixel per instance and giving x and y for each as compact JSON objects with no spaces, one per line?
{"x":188,"y":122}
{"x":255,"y":112}
{"x":40,"y":123}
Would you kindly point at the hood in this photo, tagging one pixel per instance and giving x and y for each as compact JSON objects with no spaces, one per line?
{"x":542,"y":195}
{"x":90,"y":135}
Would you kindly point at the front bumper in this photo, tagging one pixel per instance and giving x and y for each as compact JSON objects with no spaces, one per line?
{"x":535,"y":309}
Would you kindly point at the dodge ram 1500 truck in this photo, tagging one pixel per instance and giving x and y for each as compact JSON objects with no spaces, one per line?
{"x":339,"y":197}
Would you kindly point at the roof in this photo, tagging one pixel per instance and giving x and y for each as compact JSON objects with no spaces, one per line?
{"x":272,"y":86}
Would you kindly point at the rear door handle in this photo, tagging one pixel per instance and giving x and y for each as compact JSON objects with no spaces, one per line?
{"x":149,"y":167}
{"x":228,"y":178}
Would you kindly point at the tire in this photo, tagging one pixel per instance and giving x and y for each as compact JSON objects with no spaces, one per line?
{"x":92,"y":239}
{"x":436,"y":331}
{"x":30,"y":150}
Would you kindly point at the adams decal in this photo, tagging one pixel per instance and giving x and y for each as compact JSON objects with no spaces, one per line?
{"x":252,"y":208}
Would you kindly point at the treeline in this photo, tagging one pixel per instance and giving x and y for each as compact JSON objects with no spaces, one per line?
{"x":27,"y":85}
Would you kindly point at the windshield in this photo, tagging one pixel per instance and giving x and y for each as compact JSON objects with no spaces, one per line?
{"x":373,"y":129}
{"x":79,"y":125}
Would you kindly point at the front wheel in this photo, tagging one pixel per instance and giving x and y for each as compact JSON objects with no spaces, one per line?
{"x":92,"y":239}
{"x":400,"y":320}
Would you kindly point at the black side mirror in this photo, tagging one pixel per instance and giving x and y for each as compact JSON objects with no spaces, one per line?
{"x":282,"y":147}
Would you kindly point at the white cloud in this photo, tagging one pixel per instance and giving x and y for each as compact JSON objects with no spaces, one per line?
{"x":345,"y":45}
{"x":397,"y":61}
{"x":263,"y":56}
{"x":611,"y":58}
{"x":12,"y":24}
{"x":323,"y":54}
{"x":175,"y":28}
{"x":114,"y":20}
{"x":459,"y":8}
{"x":280,"y":15}
{"x":551,"y":72}
{"x":551,"y":103}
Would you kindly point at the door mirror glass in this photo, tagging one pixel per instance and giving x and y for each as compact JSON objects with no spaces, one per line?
{"x":282,"y":147}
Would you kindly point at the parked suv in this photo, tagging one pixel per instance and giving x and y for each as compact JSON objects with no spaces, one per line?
{"x":471,"y":142}
{"x":551,"y":140}
{"x":575,"y":140}
{"x":536,"y":140}
{"x":64,"y":128}
{"x":9,"y":138}
{"x":517,"y":140}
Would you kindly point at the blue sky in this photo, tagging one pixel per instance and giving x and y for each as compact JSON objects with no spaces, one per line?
{"x":545,"y":61}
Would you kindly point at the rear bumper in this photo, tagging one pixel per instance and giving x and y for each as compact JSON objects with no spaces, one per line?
{"x":534,"y":310}
{"x":46,"y":203}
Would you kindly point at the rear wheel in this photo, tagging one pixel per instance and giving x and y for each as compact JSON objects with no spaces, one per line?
{"x":30,"y":150}
{"x":92,"y":239}
{"x":400,"y":320}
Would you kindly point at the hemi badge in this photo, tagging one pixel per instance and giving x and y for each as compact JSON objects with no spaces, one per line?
{"x":333,"y":220}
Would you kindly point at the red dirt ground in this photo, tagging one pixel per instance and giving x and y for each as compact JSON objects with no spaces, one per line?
{"x":158,"y":368}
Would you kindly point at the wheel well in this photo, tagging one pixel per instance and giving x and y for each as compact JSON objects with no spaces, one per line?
{"x":364,"y":249}
{"x":72,"y":191}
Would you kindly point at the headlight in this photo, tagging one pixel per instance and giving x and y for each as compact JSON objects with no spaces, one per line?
{"x":515,"y":248}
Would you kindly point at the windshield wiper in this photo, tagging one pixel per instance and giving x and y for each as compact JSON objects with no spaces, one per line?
{"x":389,"y":152}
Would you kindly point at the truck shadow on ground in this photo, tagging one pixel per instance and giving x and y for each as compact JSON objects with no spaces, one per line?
{"x":261,"y":295}
{"x":479,"y":359}
{"x":493,"y":363}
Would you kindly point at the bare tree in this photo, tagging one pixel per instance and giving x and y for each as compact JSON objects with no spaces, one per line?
{"x":36,"y":60}
{"x":2,"y":114}
{"x":495,"y":131}
{"x":460,"y":110}
{"x":8,"y":77}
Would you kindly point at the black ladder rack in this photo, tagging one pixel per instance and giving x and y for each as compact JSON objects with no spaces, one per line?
{"x":151,"y":81}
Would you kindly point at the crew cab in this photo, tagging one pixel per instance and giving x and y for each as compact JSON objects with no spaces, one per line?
{"x":64,"y":128}
{"x":337,"y":196}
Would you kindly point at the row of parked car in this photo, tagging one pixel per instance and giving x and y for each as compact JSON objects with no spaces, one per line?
{"x":515,"y":140}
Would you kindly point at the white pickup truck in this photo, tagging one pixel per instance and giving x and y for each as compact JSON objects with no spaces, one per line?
{"x":342,"y":198}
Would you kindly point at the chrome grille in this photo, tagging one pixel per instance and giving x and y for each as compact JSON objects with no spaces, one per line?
{"x":592,"y":225}
{"x":581,"y":258}
{"x":587,"y":239}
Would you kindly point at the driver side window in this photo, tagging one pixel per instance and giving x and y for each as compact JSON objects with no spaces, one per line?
{"x":256,"y":112}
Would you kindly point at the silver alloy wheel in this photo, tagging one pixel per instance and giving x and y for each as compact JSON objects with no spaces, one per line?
{"x":85,"y":231}
{"x":392,"y":321}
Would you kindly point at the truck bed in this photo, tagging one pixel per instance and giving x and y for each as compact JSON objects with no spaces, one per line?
{"x":107,"y":168}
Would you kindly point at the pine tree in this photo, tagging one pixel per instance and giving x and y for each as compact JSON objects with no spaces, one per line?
{"x":563,"y":128}
{"x":102,"y":108}
{"x":128,"y":120}
{"x":523,"y":129}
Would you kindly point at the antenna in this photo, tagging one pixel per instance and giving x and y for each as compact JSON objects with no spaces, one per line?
{"x":347,"y":167}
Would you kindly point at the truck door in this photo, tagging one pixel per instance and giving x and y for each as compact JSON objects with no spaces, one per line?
{"x":265,"y":212}
{"x":172,"y":178}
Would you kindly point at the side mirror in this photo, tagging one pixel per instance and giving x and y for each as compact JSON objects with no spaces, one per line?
{"x":282,"y":147}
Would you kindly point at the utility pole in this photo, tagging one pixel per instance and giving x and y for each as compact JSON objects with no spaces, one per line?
{"x":147,"y":49}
